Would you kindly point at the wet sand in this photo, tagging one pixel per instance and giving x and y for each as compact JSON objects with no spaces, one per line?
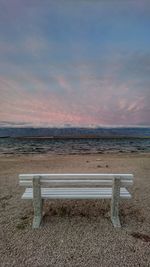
{"x":75,"y":233}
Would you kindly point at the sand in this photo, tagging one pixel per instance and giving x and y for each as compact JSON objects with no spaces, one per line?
{"x":75,"y":233}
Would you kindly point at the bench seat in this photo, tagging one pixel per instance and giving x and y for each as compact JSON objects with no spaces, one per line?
{"x":76,"y":193}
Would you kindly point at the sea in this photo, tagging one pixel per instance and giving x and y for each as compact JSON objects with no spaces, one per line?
{"x":98,"y":142}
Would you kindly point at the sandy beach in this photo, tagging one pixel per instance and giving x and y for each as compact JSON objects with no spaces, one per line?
{"x":75,"y":233}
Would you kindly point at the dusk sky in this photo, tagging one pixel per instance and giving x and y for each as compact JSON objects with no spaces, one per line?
{"x":81,"y":62}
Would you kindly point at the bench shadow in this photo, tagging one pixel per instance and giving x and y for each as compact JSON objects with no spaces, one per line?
{"x":84,"y":209}
{"x":77,"y":208}
{"x":91,"y":210}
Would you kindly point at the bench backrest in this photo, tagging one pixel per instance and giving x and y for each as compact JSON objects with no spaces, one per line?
{"x":78,"y":179}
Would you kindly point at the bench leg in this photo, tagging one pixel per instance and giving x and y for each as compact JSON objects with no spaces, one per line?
{"x":37,"y":203}
{"x":115,"y":203}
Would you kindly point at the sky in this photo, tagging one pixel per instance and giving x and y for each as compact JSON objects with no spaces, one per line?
{"x":80,"y":63}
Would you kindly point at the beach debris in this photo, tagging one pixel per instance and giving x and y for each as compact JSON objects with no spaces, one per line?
{"x":24,"y":217}
{"x":4,"y":200}
{"x":143,"y":237}
{"x":24,"y":222}
{"x":99,"y":159}
{"x":6,"y":197}
{"x":21,"y":226}
{"x":99,"y":166}
{"x":107,"y":166}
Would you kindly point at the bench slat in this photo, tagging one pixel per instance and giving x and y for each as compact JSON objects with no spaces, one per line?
{"x":75,"y":193}
{"x":106,"y":182}
{"x":75,"y":176}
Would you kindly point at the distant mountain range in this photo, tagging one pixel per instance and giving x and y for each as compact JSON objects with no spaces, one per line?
{"x":73,"y":132}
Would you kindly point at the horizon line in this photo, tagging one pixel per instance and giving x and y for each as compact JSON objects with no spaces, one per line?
{"x":5,"y":125}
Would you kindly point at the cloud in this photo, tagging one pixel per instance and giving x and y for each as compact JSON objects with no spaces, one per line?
{"x":63,"y":83}
{"x":85,"y":99}
{"x":60,"y":66}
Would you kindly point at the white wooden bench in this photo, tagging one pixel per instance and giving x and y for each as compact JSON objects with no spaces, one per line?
{"x":75,"y":186}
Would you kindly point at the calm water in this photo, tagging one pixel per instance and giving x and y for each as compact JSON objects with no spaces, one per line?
{"x":73,"y":146}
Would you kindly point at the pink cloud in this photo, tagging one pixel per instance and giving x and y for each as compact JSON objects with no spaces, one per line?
{"x":27,"y":107}
{"x":63,"y":83}
{"x":97,"y":101}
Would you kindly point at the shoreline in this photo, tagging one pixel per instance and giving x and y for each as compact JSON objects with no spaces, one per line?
{"x":75,"y":137}
{"x":102,"y":153}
